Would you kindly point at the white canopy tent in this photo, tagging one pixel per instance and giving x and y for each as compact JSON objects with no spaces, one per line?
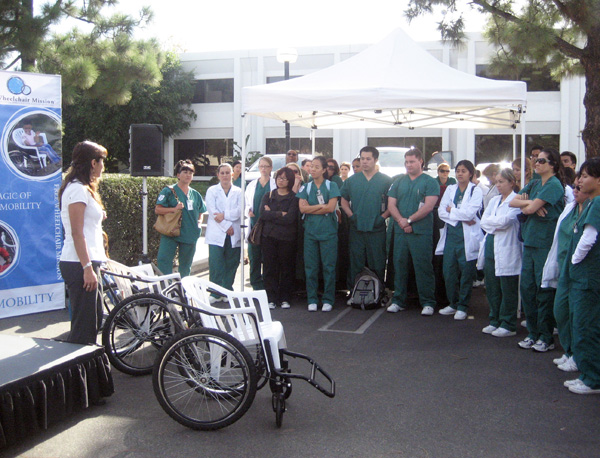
{"x":392,"y":83}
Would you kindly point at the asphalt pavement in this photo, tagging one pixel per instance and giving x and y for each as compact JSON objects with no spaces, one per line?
{"x":407,"y":386}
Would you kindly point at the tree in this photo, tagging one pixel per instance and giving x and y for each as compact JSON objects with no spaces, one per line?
{"x":562,"y":35}
{"x":168,"y":104}
{"x":104,"y":60}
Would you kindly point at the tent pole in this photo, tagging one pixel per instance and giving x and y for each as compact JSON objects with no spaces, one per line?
{"x":242,"y":235}
{"x":523,"y":144}
{"x":514,"y":144}
{"x":312,"y":141}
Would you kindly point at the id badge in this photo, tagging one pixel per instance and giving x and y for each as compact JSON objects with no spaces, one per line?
{"x":190,"y":205}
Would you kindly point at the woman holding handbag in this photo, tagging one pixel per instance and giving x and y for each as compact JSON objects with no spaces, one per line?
{"x":180,"y":198}
{"x":279,"y":211}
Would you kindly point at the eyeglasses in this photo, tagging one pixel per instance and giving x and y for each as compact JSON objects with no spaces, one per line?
{"x":282,"y":178}
{"x":444,"y":171}
{"x":578,"y":188}
{"x":542,"y":160}
{"x":292,"y":154}
{"x":331,"y":167}
{"x":265,"y":166}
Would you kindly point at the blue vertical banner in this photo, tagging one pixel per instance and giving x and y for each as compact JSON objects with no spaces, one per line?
{"x":30,"y":177}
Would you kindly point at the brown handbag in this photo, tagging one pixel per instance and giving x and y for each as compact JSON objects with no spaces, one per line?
{"x":169,"y":224}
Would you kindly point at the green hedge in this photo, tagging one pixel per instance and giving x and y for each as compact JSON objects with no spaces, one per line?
{"x":122,"y":198}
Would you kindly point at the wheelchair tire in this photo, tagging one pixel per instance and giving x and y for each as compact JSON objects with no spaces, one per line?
{"x":278,"y":400}
{"x":135,"y":330}
{"x":195,"y":391}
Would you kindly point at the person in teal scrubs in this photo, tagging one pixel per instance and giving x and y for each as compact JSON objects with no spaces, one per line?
{"x":556,"y":274}
{"x":411,"y":199}
{"x":459,"y":242}
{"x":542,"y":201}
{"x":190,"y":202}
{"x":584,"y":276}
{"x":254,"y":194}
{"x":318,"y":201}
{"x":236,"y":178}
{"x":364,"y":200}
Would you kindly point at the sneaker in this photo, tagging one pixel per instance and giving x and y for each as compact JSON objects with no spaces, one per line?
{"x":349,"y":301}
{"x":563,"y":359}
{"x":489,"y":329}
{"x":312,"y":307}
{"x":524,"y":323}
{"x":501,"y":332}
{"x":285,"y":305}
{"x":327,"y":308}
{"x":272,"y":305}
{"x":427,"y":310}
{"x":582,"y":388}
{"x":526,"y":343}
{"x":542,"y":346}
{"x":460,"y":315}
{"x":478,"y":283}
{"x":569,"y":366}
{"x":213,"y":299}
{"x":395,"y":308}
{"x":447,"y":311}
{"x":573,"y":382}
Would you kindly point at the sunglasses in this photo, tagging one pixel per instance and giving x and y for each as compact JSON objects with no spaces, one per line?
{"x":444,"y":171}
{"x":542,"y":160}
{"x":578,"y":188}
{"x":292,"y":154}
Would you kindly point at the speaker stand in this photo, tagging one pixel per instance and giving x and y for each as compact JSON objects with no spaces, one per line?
{"x":144,"y":259}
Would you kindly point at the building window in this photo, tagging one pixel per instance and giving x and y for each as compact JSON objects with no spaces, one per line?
{"x":427,"y":145}
{"x":537,"y":79}
{"x":497,"y":148}
{"x":213,"y":91}
{"x":205,"y":154}
{"x":323,"y":145}
{"x":277,"y":79}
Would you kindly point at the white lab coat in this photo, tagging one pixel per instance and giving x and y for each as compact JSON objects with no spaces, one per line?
{"x":501,"y":220}
{"x":467,"y":211}
{"x":551,"y":270}
{"x":230,"y":204}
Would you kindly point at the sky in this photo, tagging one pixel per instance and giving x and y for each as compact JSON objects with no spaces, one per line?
{"x":218,"y":25}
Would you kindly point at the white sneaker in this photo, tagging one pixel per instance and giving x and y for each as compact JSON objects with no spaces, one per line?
{"x":563,"y":359}
{"x":312,"y":307}
{"x":573,"y":382}
{"x":478,"y":283}
{"x":460,"y":315}
{"x":501,"y":332}
{"x":272,"y":305}
{"x":489,"y":329}
{"x":395,"y":308}
{"x":582,"y":388}
{"x":427,"y":310}
{"x":327,"y":308}
{"x":349,"y":301}
{"x":285,"y":305}
{"x":447,"y":311}
{"x":542,"y":346}
{"x":213,"y":299}
{"x":526,"y":343}
{"x":569,"y":366}
{"x":524,"y":323}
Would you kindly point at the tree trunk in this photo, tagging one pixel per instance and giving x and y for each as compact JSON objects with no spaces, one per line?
{"x":591,"y":100}
{"x":27,"y":50}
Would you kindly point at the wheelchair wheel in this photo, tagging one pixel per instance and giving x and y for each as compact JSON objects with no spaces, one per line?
{"x":134,"y":332}
{"x":278,"y":401}
{"x":204,"y":379}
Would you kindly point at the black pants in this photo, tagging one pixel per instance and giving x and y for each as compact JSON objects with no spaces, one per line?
{"x":278,"y":268}
{"x":86,"y":306}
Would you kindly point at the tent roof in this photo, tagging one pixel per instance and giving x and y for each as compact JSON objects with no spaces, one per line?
{"x":392,"y":83}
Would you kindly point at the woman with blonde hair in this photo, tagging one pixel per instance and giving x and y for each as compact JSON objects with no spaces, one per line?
{"x":82,"y":214}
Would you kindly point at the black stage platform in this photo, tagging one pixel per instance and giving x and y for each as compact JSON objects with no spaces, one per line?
{"x":43,"y":381}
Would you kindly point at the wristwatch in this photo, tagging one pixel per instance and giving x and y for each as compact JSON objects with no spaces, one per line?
{"x":409,"y":221}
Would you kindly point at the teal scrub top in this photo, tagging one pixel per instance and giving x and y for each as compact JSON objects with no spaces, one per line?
{"x":238,"y":182}
{"x":193,"y":207}
{"x":320,"y":227}
{"x":448,"y":182}
{"x":410,"y":196}
{"x":565,"y":233}
{"x":538,"y":231}
{"x":489,"y":247}
{"x":455,"y":234}
{"x":586,"y":274}
{"x":258,"y":195}
{"x":368,"y":200}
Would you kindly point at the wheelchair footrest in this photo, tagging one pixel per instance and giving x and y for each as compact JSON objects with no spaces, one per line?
{"x":315,"y":370}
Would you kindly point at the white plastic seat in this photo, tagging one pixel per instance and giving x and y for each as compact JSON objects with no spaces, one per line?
{"x":236,"y":315}
{"x":17,"y":137}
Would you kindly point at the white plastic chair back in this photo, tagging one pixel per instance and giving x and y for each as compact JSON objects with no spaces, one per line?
{"x":17,"y":137}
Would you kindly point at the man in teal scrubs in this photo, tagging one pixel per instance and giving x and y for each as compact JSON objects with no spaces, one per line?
{"x":364,"y":200}
{"x":411,"y":199}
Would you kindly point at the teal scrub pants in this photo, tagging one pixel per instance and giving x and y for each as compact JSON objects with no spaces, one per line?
{"x":256,"y":278}
{"x":563,"y":314}
{"x":502,"y":295}
{"x":366,"y":249}
{"x":166,"y":253}
{"x":537,"y":302}
{"x":223,"y":263}
{"x":459,"y":275}
{"x":419,"y":247}
{"x":320,"y":253}
{"x":586,"y":334}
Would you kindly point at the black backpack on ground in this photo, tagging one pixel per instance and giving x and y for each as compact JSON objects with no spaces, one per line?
{"x":368,"y":291}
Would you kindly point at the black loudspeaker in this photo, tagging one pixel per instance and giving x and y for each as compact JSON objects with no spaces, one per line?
{"x":146,"y":153}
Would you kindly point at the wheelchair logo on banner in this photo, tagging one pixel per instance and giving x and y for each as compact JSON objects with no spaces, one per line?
{"x":17,"y":86}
